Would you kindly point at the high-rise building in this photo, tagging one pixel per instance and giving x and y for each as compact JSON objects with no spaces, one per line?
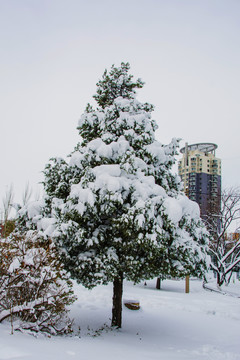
{"x":200,"y":172}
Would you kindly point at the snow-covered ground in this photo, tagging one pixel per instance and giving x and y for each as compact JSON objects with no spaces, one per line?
{"x":170,"y":325}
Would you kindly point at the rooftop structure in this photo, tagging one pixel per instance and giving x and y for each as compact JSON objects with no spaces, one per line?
{"x":203,"y":147}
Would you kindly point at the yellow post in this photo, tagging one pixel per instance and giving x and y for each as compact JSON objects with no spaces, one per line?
{"x":187,"y":285}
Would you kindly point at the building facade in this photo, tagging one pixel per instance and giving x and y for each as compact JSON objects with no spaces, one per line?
{"x":200,"y":172}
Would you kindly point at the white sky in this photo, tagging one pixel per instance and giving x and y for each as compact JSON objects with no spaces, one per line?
{"x":52,"y":53}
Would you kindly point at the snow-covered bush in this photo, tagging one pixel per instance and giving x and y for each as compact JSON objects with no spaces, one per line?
{"x":115,"y":210}
{"x":34,"y":288}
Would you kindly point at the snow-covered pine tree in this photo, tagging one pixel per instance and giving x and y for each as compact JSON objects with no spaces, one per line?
{"x":114,"y":209}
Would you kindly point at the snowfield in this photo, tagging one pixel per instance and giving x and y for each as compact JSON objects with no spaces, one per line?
{"x":170,"y":325}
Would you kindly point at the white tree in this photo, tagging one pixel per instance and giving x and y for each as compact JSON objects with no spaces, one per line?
{"x":27,"y":193}
{"x":224,"y":249}
{"x":114,"y":209}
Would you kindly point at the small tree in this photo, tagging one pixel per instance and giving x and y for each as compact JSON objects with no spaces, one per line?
{"x":27,"y":193}
{"x":224,"y":249}
{"x":115,"y":210}
{"x":34,"y":288}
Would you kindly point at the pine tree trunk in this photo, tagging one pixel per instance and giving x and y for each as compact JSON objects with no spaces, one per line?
{"x":117,"y":301}
{"x":158,"y":283}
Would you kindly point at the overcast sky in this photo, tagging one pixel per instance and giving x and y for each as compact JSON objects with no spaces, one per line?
{"x":52,"y":53}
